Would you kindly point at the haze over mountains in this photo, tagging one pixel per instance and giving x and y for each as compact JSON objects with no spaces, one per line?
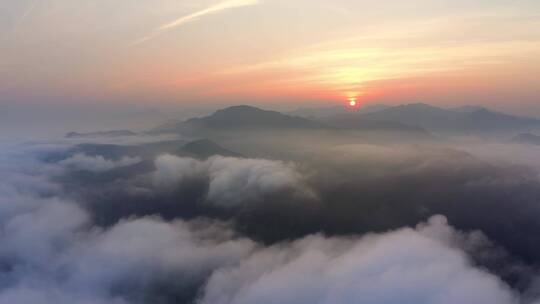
{"x":411,"y":118}
{"x":322,"y":112}
{"x":459,"y":121}
{"x":527,"y":138}
{"x":112,"y":133}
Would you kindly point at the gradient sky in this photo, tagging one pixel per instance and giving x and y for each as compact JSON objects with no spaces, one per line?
{"x":164,"y":52}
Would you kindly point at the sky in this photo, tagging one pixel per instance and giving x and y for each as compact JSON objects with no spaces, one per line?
{"x":167,"y":53}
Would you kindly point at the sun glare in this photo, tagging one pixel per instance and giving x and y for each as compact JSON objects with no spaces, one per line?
{"x":352,"y":102}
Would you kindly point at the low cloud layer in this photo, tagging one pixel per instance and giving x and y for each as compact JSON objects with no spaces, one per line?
{"x":333,"y":229}
{"x":53,"y":253}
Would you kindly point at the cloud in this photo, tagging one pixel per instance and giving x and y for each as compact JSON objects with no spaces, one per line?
{"x":161,"y":247}
{"x":339,"y":190}
{"x":54,"y":253}
{"x":142,"y":256}
{"x":172,"y":171}
{"x":132,"y":262}
{"x":210,"y":10}
{"x":403,"y":266}
{"x":219,"y":7}
{"x":234,"y":181}
{"x":81,"y":161}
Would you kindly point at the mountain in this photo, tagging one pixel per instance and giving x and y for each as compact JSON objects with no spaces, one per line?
{"x":417,"y":118}
{"x":406,"y":118}
{"x":372,"y":108}
{"x":241,"y":117}
{"x":251,"y":118}
{"x":113,"y":133}
{"x":418,"y":114}
{"x":485,"y":120}
{"x":463,"y":120}
{"x":467,"y":109}
{"x":526,"y":138}
{"x":356,"y":122}
{"x":315,"y":113}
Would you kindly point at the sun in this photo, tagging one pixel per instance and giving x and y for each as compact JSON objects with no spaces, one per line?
{"x":352,"y":102}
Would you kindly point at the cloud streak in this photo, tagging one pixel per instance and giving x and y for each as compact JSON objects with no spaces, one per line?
{"x":222,"y":6}
{"x":28,"y":11}
{"x":24,"y":16}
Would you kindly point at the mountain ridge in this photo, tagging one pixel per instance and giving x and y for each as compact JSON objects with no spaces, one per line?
{"x":470,"y":119}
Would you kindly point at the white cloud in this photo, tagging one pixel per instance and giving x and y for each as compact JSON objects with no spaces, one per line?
{"x":233,"y":181}
{"x":403,"y":266}
{"x":219,"y":7}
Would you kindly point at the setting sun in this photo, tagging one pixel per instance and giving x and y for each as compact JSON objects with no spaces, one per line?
{"x":352,"y":102}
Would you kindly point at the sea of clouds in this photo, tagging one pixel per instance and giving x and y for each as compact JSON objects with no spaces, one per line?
{"x":250,"y":230}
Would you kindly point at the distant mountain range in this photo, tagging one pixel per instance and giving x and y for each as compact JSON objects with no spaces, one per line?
{"x":417,"y":118}
{"x":354,"y":122}
{"x":322,"y":112}
{"x":112,"y":133}
{"x":252,"y":118}
{"x":462,"y":120}
{"x":527,"y":138}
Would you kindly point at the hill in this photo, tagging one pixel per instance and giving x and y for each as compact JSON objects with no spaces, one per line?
{"x":241,"y":117}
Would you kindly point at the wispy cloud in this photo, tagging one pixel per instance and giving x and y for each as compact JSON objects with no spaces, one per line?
{"x":353,"y":66}
{"x":26,"y":13}
{"x":222,"y":6}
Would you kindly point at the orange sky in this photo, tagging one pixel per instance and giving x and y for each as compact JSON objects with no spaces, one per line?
{"x":190,"y":52}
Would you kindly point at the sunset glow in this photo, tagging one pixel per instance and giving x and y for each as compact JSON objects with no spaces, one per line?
{"x":175,"y":52}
